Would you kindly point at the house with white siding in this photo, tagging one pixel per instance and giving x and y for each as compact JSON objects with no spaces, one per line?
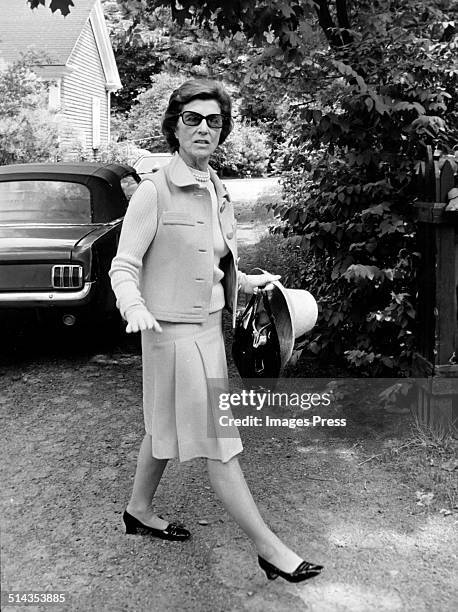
{"x":79,"y":64}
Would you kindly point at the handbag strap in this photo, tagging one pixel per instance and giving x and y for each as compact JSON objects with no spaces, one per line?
{"x":266,"y":303}
{"x":251,"y":306}
{"x":264,"y":296}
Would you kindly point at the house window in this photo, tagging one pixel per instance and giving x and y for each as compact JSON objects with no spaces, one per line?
{"x":95,"y":122}
{"x":54,"y":95}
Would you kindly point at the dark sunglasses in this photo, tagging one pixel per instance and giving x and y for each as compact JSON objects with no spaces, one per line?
{"x":194,"y":119}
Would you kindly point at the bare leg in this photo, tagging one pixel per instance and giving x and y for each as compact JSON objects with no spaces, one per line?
{"x":230,"y":486}
{"x":147,"y":478}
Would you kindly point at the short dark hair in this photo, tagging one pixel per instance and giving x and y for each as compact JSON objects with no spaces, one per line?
{"x":202,"y":89}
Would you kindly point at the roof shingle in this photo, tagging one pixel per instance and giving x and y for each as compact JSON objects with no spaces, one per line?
{"x":40,"y":29}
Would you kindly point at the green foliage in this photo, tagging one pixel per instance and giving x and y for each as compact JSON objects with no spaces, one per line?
{"x":113,"y":152}
{"x":245,"y":153}
{"x":144,"y":119}
{"x":28,"y":131}
{"x":120,"y":152}
{"x":138,"y":49}
{"x":74,"y":151}
{"x":358,"y":245}
{"x":148,"y":42}
{"x":351,"y":158}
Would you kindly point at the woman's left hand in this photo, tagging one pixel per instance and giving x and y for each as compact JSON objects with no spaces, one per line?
{"x":253,"y":282}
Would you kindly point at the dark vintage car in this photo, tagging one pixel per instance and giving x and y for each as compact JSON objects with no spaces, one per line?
{"x":59,"y":230}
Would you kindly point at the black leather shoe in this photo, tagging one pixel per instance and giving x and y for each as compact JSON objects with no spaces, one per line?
{"x":303,"y":571}
{"x":172,"y":532}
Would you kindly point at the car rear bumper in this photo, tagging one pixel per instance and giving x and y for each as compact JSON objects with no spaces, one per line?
{"x":18,"y":299}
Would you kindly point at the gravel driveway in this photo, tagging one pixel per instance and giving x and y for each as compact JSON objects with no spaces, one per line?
{"x":71,"y":428}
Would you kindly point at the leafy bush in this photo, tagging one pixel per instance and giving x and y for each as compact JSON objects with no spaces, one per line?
{"x":144,"y":119}
{"x":73,"y":149}
{"x":244,"y":154}
{"x":113,"y":152}
{"x":28,"y":131}
{"x":351,"y":160}
{"x":120,"y":152}
{"x":358,"y":246}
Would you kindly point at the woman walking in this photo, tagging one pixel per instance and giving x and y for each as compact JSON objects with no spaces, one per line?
{"x":175,"y":270}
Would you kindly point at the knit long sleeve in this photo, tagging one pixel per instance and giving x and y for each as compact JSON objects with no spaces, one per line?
{"x":138,"y":231}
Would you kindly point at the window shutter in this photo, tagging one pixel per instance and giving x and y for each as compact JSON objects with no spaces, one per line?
{"x":54,"y":89}
{"x":95,"y":122}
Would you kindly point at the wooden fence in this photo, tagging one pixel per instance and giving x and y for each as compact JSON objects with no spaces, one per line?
{"x":436,"y":366}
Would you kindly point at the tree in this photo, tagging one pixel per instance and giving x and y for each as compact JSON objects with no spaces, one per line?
{"x":28,"y":131}
{"x":155,"y":44}
{"x":349,"y":199}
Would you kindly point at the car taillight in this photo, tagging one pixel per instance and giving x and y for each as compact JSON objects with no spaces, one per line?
{"x":67,"y":277}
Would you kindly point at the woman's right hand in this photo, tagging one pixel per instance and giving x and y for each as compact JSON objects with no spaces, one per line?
{"x":140,"y":319}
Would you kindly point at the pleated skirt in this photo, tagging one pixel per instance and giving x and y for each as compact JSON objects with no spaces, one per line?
{"x":182,"y":368}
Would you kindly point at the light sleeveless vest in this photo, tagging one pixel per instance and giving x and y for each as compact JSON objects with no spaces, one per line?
{"x":177,"y":273}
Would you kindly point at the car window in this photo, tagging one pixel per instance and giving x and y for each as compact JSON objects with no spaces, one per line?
{"x":44,"y":201}
{"x":147,"y":164}
{"x":128,"y":185}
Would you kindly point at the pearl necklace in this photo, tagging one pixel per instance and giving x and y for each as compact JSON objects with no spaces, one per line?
{"x":201,"y":177}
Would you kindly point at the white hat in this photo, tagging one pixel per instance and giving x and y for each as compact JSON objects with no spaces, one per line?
{"x":295,"y":312}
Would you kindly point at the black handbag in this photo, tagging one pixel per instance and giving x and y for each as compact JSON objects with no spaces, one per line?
{"x":256,"y":349}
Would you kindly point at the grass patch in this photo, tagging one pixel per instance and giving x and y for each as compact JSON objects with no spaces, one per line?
{"x":255,"y":211}
{"x":428,"y":460}
{"x":272,"y":253}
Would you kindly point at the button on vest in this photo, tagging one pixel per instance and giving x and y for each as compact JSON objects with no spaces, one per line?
{"x":177,"y":273}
